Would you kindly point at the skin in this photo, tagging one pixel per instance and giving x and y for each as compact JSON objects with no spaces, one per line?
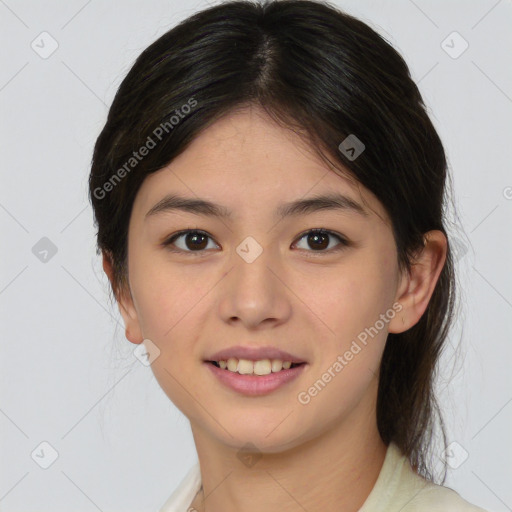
{"x":325,"y":455}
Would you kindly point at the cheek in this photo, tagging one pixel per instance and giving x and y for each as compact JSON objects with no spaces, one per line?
{"x":350,"y":300}
{"x":355,"y":304}
{"x":166,"y":299}
{"x":170,"y":309}
{"x":349,"y":355}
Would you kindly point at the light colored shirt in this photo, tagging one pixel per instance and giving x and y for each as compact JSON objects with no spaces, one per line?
{"x":398,"y":488}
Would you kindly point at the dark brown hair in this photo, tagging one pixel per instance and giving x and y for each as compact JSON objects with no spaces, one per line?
{"x":325,"y":75}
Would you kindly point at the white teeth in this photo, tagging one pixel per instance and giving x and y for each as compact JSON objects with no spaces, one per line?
{"x":232,"y":364}
{"x":277,"y":365}
{"x":260,"y":367}
{"x":245,"y":366}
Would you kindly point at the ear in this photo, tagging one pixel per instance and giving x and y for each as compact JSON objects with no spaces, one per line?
{"x":125,"y":303}
{"x":415,"y":290}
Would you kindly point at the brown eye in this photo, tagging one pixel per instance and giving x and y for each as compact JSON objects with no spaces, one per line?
{"x":319,"y":240}
{"x":190,"y":241}
{"x":195,"y":241}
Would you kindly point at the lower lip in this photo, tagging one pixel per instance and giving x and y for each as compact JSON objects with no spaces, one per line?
{"x":255,"y":385}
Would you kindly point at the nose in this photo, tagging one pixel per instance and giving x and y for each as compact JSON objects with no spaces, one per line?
{"x":254,"y":293}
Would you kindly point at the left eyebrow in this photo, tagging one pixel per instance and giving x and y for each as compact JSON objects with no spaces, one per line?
{"x":197,"y":206}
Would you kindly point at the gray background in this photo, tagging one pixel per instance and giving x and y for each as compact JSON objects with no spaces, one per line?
{"x":69,"y":377}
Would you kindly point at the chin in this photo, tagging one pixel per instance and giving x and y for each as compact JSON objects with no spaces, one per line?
{"x":269,"y":436}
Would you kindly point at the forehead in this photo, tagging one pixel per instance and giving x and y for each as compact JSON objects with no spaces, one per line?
{"x":247,"y":162}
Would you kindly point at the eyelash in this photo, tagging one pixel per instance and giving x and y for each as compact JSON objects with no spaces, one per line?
{"x":343,"y":242}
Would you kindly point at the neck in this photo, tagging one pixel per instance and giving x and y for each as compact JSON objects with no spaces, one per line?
{"x":335,"y":470}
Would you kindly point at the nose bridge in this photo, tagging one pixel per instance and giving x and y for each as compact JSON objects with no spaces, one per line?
{"x":252,"y":262}
{"x":252,"y":292}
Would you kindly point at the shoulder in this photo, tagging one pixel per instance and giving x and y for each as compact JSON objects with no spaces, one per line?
{"x":437,"y":498}
{"x":420,"y":495}
{"x":182,"y":497}
{"x":400,"y":488}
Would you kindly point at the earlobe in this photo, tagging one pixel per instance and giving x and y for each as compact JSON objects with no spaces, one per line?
{"x":125,"y":303}
{"x":417,"y":287}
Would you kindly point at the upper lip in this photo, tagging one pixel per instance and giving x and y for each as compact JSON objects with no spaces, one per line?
{"x":254,"y":354}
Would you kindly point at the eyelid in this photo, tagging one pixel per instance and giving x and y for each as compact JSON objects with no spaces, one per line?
{"x":343,"y":241}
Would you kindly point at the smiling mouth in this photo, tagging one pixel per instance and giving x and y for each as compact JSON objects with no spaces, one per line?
{"x":259,"y":368}
{"x":255,"y":378}
{"x":292,"y":365}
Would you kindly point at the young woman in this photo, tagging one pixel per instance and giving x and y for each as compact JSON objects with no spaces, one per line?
{"x":269,"y":194}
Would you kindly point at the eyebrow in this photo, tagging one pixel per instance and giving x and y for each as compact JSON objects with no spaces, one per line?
{"x":197,"y":206}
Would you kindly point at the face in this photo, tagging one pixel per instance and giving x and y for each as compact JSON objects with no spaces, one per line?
{"x":258,"y":279}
